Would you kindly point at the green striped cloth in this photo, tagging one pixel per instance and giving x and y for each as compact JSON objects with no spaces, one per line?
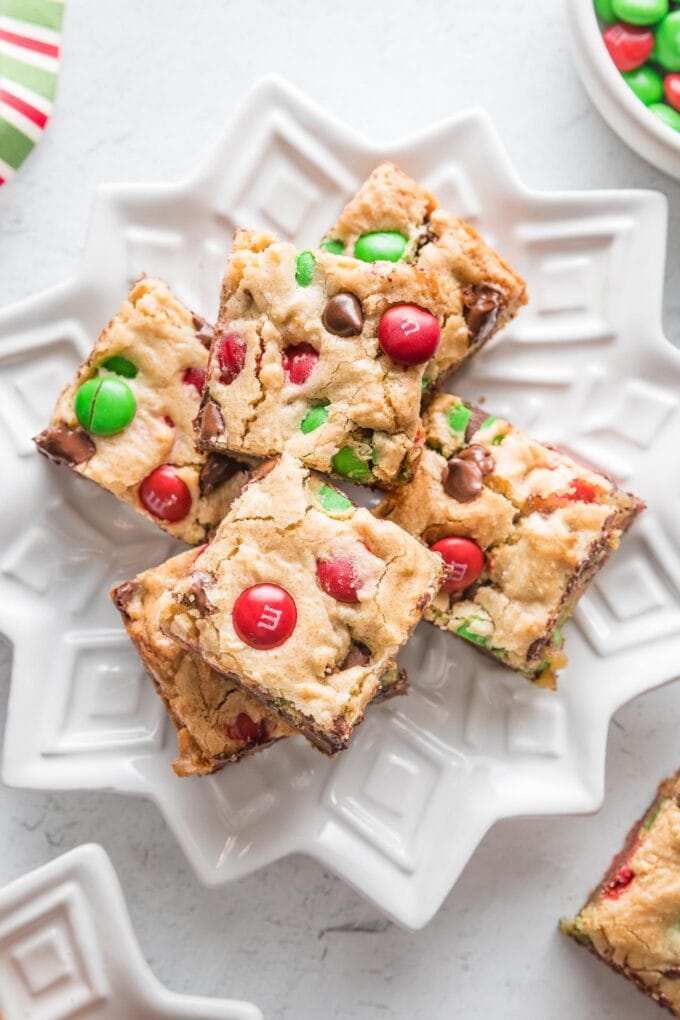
{"x":30,"y":43}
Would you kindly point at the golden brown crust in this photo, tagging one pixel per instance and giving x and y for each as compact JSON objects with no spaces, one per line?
{"x":438,"y":241}
{"x":545,"y":523}
{"x":630,"y":921}
{"x":276,"y":532}
{"x":163,"y":340}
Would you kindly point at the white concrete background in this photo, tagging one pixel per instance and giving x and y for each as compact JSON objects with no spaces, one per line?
{"x":145,"y":85}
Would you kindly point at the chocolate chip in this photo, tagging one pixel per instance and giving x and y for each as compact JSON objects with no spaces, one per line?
{"x":216,"y":470}
{"x":204,"y":331}
{"x":123,"y":595}
{"x":480,"y":456}
{"x":263,"y":469}
{"x":462,"y":480}
{"x":481,"y":307}
{"x":343,"y":315}
{"x":672,"y":973}
{"x":200,"y":580}
{"x":535,"y":649}
{"x":357,"y":655}
{"x":210,"y":422}
{"x":65,"y":445}
{"x":477,"y":416}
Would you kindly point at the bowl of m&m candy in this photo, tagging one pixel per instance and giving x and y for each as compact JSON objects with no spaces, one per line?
{"x":627,"y":53}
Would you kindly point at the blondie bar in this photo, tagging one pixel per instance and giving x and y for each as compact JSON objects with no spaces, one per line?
{"x":217,"y":721}
{"x":303,"y":600}
{"x":522,"y":526}
{"x":392,"y":218}
{"x":322,"y":356}
{"x":632,"y":919}
{"x":126,"y":420}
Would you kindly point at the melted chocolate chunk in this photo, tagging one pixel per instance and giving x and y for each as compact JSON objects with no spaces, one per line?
{"x":200,"y":580}
{"x":204,"y":331}
{"x":123,"y":596}
{"x":210,"y":421}
{"x":476,"y":418}
{"x":672,"y":973}
{"x":480,"y":456}
{"x":263,"y":469}
{"x":462,"y":480}
{"x":216,"y":470}
{"x":343,"y":315}
{"x":65,"y":445}
{"x":535,"y":649}
{"x":357,"y":655}
{"x":482,"y":304}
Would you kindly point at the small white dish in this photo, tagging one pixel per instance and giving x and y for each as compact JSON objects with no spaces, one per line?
{"x":624,"y":112}
{"x":68,"y":950}
{"x":399,"y":813}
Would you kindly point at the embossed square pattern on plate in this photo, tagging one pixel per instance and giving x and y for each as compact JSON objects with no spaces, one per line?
{"x":585,"y":365}
{"x":67,"y":950}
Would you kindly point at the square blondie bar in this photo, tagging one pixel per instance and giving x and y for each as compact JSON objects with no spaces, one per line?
{"x":299,"y":359}
{"x":125,"y":421}
{"x":303,"y":600}
{"x":631,"y":920}
{"x":393,"y":218}
{"x":523,"y":527}
{"x":217,"y":721}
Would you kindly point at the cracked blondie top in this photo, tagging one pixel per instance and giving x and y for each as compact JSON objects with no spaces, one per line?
{"x":303,"y":600}
{"x":125,"y":421}
{"x":632,"y":919}
{"x":217,"y":721}
{"x":523,"y":527}
{"x":321,"y":356}
{"x":393,"y":218}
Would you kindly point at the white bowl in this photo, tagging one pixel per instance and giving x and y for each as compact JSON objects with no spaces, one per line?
{"x":624,"y":112}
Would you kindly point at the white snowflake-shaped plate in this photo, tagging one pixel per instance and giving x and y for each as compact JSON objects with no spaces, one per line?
{"x":67,"y":950}
{"x":585,"y":365}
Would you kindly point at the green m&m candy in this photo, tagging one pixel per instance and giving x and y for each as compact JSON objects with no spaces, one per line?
{"x":640,"y":12}
{"x":314,"y":418}
{"x":605,"y":10}
{"x":304,"y":268}
{"x":333,"y":246}
{"x":120,"y":366}
{"x":332,"y":501}
{"x":646,"y":83}
{"x":105,"y":406}
{"x":667,"y":42}
{"x":347,"y":463}
{"x":381,"y":246}
{"x":666,"y":114}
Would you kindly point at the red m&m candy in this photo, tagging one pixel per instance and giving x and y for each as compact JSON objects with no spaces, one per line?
{"x":338,"y":578}
{"x":165,"y":495}
{"x":628,"y":45}
{"x":299,"y":361}
{"x":465,"y":561}
{"x":264,"y":616}
{"x":230,"y":351}
{"x":671,"y":88}
{"x":194,"y":377}
{"x":408,"y":334}
{"x":245,"y":728}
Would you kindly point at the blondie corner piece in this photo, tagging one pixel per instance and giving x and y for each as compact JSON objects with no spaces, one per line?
{"x":523,"y":527}
{"x":393,"y":218}
{"x":303,"y":600}
{"x":321,"y":356}
{"x":217,"y":721}
{"x":125,"y":422}
{"x":631,"y":920}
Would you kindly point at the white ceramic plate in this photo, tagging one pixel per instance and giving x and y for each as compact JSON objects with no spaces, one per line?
{"x":585,"y":365}
{"x":67,"y":950}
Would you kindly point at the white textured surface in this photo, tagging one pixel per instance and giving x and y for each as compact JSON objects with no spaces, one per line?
{"x":67,"y":951}
{"x":525,"y":873}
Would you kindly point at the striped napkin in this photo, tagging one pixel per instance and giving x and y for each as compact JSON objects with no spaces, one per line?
{"x":29,"y":62}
